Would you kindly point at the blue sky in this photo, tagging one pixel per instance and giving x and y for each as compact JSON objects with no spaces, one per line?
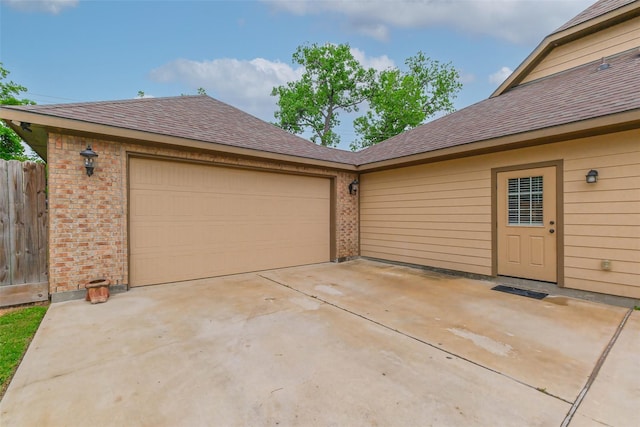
{"x":84,"y":50}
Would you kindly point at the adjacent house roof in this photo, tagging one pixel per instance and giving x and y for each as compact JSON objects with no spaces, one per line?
{"x":199,"y":118}
{"x":597,"y":9}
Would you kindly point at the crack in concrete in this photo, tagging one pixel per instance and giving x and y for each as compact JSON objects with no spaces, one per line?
{"x":415,"y":339}
{"x":596,"y":371}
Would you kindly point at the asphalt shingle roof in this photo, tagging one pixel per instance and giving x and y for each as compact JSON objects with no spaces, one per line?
{"x":577,"y":94}
{"x":599,"y":8}
{"x":199,"y":118}
{"x":581,"y":93}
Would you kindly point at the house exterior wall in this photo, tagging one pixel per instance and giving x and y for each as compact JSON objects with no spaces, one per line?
{"x":88,"y":215}
{"x":616,"y":39}
{"x":439,"y":214}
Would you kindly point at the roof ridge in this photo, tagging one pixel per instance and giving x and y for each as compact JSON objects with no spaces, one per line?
{"x":597,"y":9}
{"x":104,"y":102}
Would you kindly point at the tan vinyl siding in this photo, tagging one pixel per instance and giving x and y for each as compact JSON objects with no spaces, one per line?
{"x":603,"y":219}
{"x":436,"y":215}
{"x":439,"y":214}
{"x":611,"y":41}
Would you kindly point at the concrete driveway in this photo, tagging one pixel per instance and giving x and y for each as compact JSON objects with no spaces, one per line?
{"x":357,"y":343}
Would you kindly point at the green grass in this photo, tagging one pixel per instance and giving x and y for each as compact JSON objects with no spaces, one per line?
{"x":17,"y":328}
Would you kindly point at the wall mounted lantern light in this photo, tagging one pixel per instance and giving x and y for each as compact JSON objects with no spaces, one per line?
{"x":89,"y":155}
{"x":592,"y":176}
{"x":353,"y":187}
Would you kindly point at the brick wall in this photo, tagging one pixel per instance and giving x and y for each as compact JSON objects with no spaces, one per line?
{"x":347,"y":217}
{"x":88,"y":215}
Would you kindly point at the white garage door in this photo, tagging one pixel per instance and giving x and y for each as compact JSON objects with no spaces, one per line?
{"x":190,"y":221}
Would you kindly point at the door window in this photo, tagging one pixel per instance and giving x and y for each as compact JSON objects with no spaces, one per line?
{"x":525,"y":201}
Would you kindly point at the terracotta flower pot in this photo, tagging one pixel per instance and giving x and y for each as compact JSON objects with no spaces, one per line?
{"x":97,"y":291}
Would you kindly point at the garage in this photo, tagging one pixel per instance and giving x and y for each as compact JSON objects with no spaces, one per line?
{"x":190,"y":221}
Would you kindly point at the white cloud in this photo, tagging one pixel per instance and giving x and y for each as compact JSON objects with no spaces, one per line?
{"x":375,"y":31}
{"x":499,"y":76}
{"x":467,"y":77}
{"x":245,"y":84}
{"x":379,"y":63}
{"x":48,"y":6}
{"x":518,"y":21}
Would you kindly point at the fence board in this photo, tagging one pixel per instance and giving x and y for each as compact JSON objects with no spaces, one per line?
{"x":23,"y":233}
{"x":30,"y":223}
{"x":22,"y":294}
{"x":5,"y":252}
{"x":43,"y":223}
{"x":16,"y":215}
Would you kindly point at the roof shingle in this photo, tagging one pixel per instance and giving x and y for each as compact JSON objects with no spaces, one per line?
{"x":578,"y":94}
{"x":597,"y":9}
{"x":199,"y":118}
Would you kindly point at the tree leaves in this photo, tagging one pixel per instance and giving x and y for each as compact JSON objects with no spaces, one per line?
{"x":334,"y":82}
{"x":400,"y":101}
{"x":10,"y":143}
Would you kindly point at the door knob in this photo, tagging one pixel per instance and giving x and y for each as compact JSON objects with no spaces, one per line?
{"x":552,"y":231}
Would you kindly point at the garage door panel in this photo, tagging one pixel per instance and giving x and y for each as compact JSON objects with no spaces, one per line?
{"x":147,"y":237}
{"x":182,"y":238}
{"x":148,"y":266}
{"x":148,"y":205}
{"x":189,"y":221}
{"x":182,"y":204}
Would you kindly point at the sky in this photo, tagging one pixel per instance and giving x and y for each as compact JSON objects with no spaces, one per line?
{"x":238,"y":50}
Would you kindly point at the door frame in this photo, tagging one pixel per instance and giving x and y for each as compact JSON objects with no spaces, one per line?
{"x":558,"y":164}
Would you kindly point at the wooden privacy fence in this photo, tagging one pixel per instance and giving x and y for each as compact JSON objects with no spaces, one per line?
{"x":23,"y":233}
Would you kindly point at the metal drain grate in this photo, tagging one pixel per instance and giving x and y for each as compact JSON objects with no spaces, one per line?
{"x":521,"y":292}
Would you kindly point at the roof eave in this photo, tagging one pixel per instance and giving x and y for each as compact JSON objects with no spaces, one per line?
{"x":567,"y":35}
{"x":42,"y":124}
{"x":592,"y":127}
{"x":34,"y":136}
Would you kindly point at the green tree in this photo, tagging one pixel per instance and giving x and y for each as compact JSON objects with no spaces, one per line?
{"x":11,"y":147}
{"x":333,"y":81}
{"x":402,"y":100}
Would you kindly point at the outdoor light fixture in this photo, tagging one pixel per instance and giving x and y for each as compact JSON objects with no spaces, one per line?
{"x":592,"y":176}
{"x":25,"y":126}
{"x":89,"y":155}
{"x":353,"y":187}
